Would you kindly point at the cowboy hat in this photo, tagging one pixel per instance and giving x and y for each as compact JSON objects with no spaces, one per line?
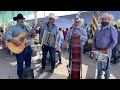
{"x":52,"y":15}
{"x":80,"y":19}
{"x":110,"y":16}
{"x":19,"y":16}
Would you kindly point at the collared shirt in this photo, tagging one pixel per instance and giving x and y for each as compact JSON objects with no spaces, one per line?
{"x":61,"y":35}
{"x":105,"y":38}
{"x":14,"y":31}
{"x":54,"y":30}
{"x":80,"y":31}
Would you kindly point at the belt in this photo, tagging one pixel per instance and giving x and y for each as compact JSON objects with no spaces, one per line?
{"x":102,"y":49}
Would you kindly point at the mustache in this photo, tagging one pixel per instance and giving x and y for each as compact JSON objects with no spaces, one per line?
{"x":77,"y":26}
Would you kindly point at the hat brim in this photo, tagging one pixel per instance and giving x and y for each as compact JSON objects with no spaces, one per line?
{"x":15,"y":18}
{"x":80,"y":20}
{"x":56,"y":17}
{"x":111,"y":17}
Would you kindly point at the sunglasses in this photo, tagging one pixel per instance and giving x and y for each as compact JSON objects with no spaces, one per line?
{"x":52,"y":18}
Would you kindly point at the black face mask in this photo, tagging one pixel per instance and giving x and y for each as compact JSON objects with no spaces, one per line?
{"x":104,"y":23}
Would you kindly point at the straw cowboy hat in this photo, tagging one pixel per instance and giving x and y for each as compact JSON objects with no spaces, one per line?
{"x":19,"y":16}
{"x":110,"y":16}
{"x":52,"y":15}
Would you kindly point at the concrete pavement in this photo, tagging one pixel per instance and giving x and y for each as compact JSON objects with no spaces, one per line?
{"x":89,"y":69}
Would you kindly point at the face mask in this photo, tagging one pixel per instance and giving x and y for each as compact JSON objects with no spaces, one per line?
{"x":20,"y":23}
{"x":104,"y":23}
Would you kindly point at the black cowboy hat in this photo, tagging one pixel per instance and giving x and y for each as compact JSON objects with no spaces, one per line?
{"x":19,"y":16}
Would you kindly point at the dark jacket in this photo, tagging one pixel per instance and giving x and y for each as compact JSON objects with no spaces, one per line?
{"x":118,"y":37}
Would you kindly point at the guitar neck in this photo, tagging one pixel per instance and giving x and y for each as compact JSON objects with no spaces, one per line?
{"x":22,"y":39}
{"x":31,"y":30}
{"x":36,"y":25}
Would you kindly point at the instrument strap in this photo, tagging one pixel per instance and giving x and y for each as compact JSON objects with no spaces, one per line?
{"x":49,"y":30}
{"x":48,"y":26}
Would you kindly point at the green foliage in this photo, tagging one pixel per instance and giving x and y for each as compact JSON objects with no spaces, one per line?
{"x":8,"y":15}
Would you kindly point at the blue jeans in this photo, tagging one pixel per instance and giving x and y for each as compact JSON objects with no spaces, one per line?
{"x":52,"y":52}
{"x":62,"y":44}
{"x":107,"y":72}
{"x":23,"y":56}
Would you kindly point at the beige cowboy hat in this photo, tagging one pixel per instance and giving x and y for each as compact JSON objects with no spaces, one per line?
{"x":110,"y":16}
{"x":79,"y":19}
{"x":52,"y":15}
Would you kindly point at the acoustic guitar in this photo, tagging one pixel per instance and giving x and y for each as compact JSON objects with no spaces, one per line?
{"x":22,"y":37}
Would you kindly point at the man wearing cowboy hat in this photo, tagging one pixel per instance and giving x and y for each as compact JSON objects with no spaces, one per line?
{"x":26,"y":54}
{"x":51,"y":27}
{"x":105,"y":40}
{"x":76,"y":29}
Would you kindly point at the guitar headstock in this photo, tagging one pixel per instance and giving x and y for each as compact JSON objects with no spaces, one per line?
{"x":37,"y":24}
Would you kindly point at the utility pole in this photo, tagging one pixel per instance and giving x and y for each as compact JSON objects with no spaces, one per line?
{"x":96,"y":14}
{"x":3,"y":20}
{"x":44,"y":14}
{"x":13,"y":14}
{"x":35,"y":16}
{"x":95,"y":21}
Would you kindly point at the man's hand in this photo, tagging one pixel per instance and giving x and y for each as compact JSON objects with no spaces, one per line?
{"x":33,"y":33}
{"x":17,"y":43}
{"x":119,"y":29}
{"x":105,"y":52}
{"x":93,"y":49}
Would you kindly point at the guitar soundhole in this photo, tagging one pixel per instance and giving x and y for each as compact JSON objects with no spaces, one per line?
{"x":21,"y":39}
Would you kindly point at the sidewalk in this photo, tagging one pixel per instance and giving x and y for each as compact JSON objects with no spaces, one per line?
{"x":89,"y":71}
